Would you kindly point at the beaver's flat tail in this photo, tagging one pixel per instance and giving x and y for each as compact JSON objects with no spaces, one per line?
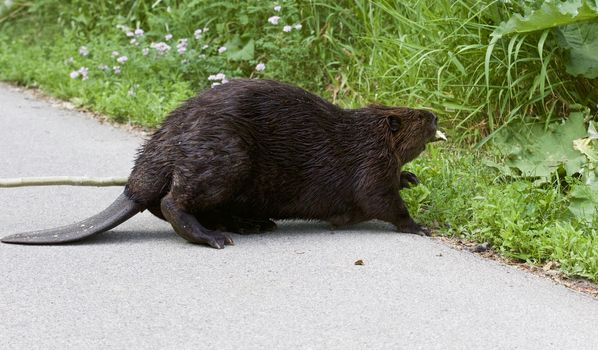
{"x":118,"y":212}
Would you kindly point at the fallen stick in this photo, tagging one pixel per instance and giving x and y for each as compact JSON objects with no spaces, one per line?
{"x":63,"y":180}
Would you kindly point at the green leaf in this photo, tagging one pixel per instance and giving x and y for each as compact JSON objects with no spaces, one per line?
{"x":585,"y":146}
{"x":584,"y":201}
{"x":551,"y":14}
{"x":581,"y":42}
{"x":237,"y":53}
{"x":579,"y":39}
{"x":501,"y":168}
{"x":537,"y":152}
{"x":81,"y":19}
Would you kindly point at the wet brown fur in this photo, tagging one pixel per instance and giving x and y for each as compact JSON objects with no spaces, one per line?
{"x":248,"y":151}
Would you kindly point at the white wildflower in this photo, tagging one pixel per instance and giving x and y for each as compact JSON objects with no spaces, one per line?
{"x":221,"y":49}
{"x":115,"y":53}
{"x":182,"y":46}
{"x":167,"y":36}
{"x":139,"y":32}
{"x":277,"y":8}
{"x":122,"y":59}
{"x":83,"y":51}
{"x":145,"y":51}
{"x":298,"y":26}
{"x":161,"y":47}
{"x":218,"y":76}
{"x":287,"y":28}
{"x":129,"y":33}
{"x":83,"y":71}
{"x":274,"y":19}
{"x":116,"y":69}
{"x":205,"y":47}
{"x":260,"y":67}
{"x":197,"y":34}
{"x":134,"y":42}
{"x":103,"y":67}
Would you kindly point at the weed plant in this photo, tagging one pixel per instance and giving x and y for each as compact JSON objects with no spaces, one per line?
{"x":417,"y":53}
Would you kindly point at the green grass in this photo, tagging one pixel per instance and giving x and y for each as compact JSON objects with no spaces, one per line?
{"x":419,"y":53}
{"x":521,"y":220}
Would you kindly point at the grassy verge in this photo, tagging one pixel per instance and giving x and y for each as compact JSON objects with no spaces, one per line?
{"x":419,"y":53}
{"x":521,"y":220}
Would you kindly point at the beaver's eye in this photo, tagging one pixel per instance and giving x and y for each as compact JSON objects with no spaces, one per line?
{"x":430,"y":116}
{"x":394,"y":123}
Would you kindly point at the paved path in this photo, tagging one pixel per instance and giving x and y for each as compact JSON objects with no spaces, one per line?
{"x":141,"y":286}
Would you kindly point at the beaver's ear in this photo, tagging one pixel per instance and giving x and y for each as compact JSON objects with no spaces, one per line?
{"x":394,"y":123}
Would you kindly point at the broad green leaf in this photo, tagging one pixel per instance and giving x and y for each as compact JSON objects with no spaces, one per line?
{"x":537,"y":152}
{"x":501,"y":168}
{"x":233,"y":44}
{"x":245,"y":53}
{"x":581,"y":42}
{"x":551,"y":14}
{"x":584,"y":201}
{"x":585,"y":146}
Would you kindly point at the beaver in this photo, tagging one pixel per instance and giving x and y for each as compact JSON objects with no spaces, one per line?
{"x":241,"y":154}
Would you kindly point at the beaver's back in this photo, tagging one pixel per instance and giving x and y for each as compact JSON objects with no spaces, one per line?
{"x":303,"y":154}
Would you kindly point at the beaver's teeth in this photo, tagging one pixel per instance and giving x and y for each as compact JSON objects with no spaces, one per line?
{"x":439,"y":136}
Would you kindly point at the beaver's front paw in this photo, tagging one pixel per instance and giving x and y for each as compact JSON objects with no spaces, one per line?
{"x":408,"y":179}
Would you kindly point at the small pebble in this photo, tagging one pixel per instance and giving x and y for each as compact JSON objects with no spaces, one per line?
{"x":481,"y":247}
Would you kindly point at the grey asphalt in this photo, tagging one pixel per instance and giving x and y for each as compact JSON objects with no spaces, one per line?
{"x":141,"y":286}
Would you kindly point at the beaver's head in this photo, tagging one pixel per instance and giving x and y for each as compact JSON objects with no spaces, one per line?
{"x":409,"y":130}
